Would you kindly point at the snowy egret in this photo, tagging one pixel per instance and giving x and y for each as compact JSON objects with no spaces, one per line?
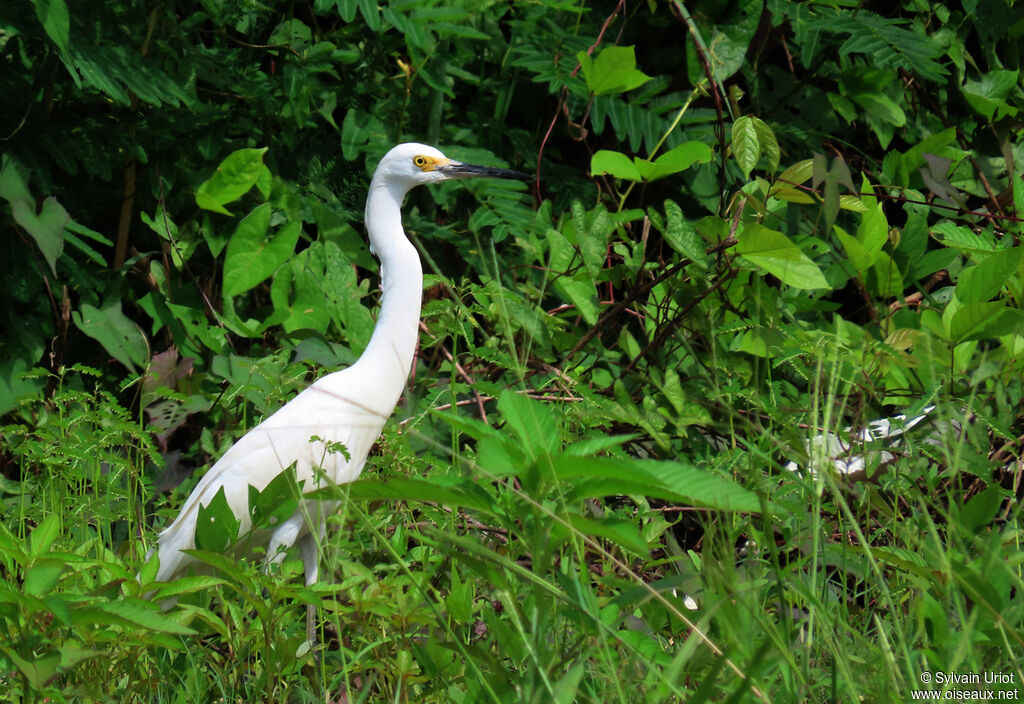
{"x":348,"y":407}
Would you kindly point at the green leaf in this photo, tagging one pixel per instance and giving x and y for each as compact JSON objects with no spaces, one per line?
{"x":592,"y":229}
{"x":885,"y":43}
{"x":46,"y":227}
{"x":981,"y":321}
{"x":984,"y":281}
{"x":673,"y":161}
{"x":42,"y":576}
{"x":216,"y":526}
{"x":798,"y":173}
{"x":459,"y":601}
{"x":962,"y":238}
{"x":532,"y":421}
{"x":44,"y":535}
{"x":38,"y":670}
{"x":53,"y":15}
{"x":144,"y":614}
{"x":681,"y":235}
{"x":888,"y":282}
{"x":187,"y":585}
{"x":979,"y":511}
{"x":858,"y":254}
{"x":120,"y":337}
{"x":277,"y":501}
{"x":319,"y":285}
{"x":616,"y":530}
{"x":746,"y":148}
{"x":769,"y":145}
{"x":592,"y":477}
{"x":234,"y":177}
{"x":775,"y":253}
{"x":577,"y":289}
{"x":873,"y":231}
{"x":988,"y":96}
{"x":879,"y":105}
{"x":251,"y":256}
{"x":613,"y":71}
{"x":615,"y":164}
{"x":412,"y":489}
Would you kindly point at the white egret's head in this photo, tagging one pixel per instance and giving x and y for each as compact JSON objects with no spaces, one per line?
{"x":411,"y":164}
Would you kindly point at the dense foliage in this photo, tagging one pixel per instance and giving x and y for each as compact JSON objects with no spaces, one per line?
{"x":630,"y":463}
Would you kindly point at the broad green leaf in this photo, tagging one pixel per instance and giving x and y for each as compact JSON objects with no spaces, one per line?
{"x":857,"y":253}
{"x":963,"y":238}
{"x":769,"y":145}
{"x":38,"y":670}
{"x":879,"y":105}
{"x":852,"y":203}
{"x":702,"y":487}
{"x":412,"y":489}
{"x":347,"y":9}
{"x":681,"y":235}
{"x":532,"y":421}
{"x":216,"y":526}
{"x":615,"y":164}
{"x":593,"y":477}
{"x":792,"y":195}
{"x":319,"y":285}
{"x":673,"y":161}
{"x":887,"y":278}
{"x":798,"y":173}
{"x":613,"y":71}
{"x":46,"y":227}
{"x":597,"y":445}
{"x":873,"y":231}
{"x":42,"y":576}
{"x":567,"y":688}
{"x":53,"y":15}
{"x":746,"y":148}
{"x":371,"y":13}
{"x":984,"y":281}
{"x":988,"y":95}
{"x":14,"y":386}
{"x":120,"y":337}
{"x":234,"y":177}
{"x":981,"y":321}
{"x":13,"y":183}
{"x":459,"y":601}
{"x":775,"y":253}
{"x":44,"y":535}
{"x":577,"y":289}
{"x":277,"y":501}
{"x":980,"y":510}
{"x":615,"y":530}
{"x":252,"y":256}
{"x":144,"y":614}
{"x":592,"y":228}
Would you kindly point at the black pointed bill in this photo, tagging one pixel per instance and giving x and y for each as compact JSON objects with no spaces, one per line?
{"x":456,"y":169}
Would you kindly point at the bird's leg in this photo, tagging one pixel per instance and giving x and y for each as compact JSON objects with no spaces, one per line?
{"x":311,"y":566}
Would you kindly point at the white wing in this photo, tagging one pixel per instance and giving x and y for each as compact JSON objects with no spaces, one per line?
{"x":334,"y":409}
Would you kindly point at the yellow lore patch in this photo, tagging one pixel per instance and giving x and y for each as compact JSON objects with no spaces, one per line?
{"x":428,"y":163}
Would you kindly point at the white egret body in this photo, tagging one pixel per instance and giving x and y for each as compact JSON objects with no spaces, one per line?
{"x":349,"y":406}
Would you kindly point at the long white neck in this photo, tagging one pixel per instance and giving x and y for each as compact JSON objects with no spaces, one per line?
{"x":388,"y":356}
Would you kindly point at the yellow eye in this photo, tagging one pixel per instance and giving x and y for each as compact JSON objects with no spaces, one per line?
{"x":420,"y":161}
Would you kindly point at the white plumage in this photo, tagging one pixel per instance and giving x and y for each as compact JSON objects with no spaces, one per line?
{"x":349,"y":406}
